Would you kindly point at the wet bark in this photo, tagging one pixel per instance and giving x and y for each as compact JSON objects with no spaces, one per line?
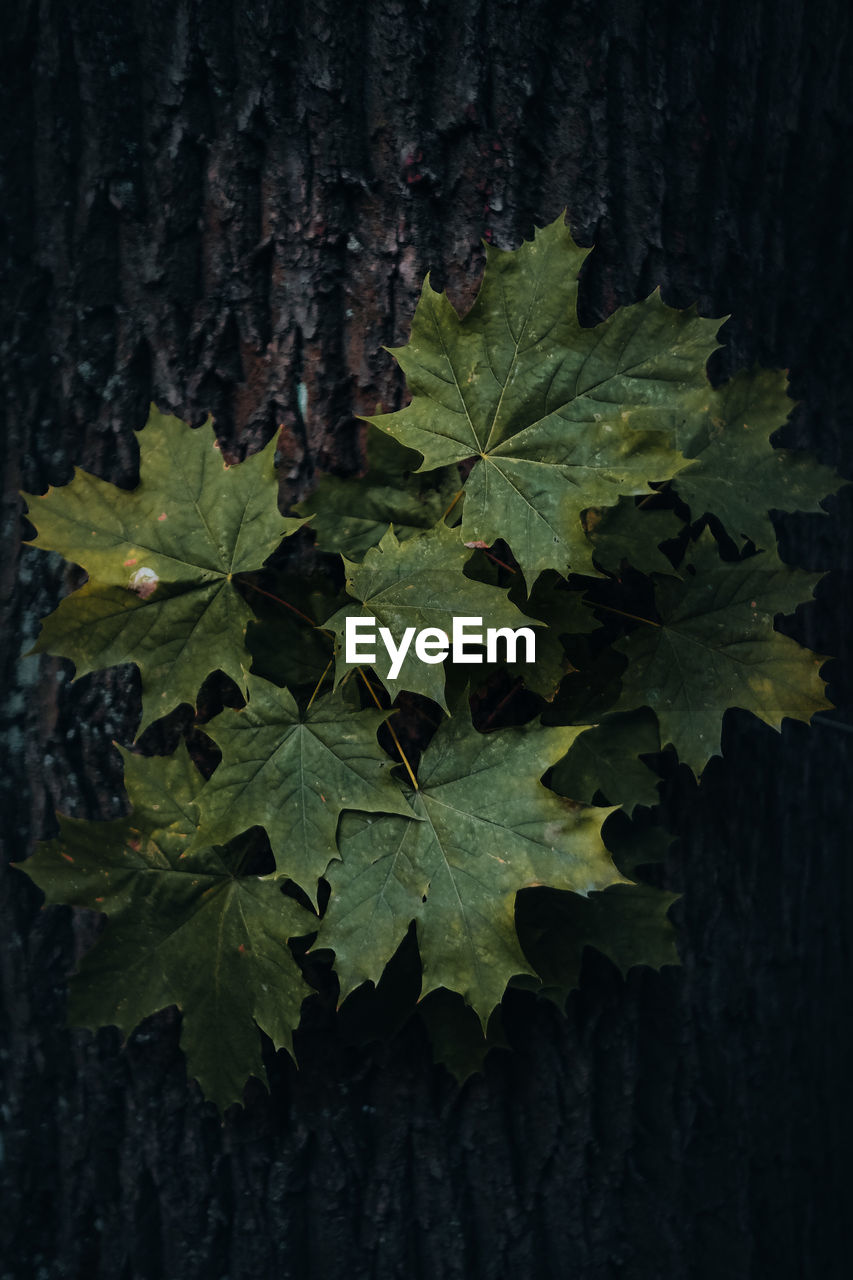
{"x":229,"y":208}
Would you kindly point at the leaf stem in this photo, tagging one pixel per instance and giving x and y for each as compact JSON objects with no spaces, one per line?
{"x":502,"y":563}
{"x":390,"y":730}
{"x":319,"y":683}
{"x":504,"y":700}
{"x":292,"y":607}
{"x":593,"y":604}
{"x":453,"y":503}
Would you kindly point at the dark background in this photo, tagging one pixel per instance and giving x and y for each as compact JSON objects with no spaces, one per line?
{"x":208,"y":203}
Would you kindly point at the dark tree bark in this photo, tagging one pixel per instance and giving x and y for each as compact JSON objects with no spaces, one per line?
{"x":229,"y":207}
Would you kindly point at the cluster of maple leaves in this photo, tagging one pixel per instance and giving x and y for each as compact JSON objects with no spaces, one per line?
{"x":616,"y":500}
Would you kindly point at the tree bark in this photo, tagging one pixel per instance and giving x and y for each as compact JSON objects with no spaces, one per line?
{"x":229,"y":207}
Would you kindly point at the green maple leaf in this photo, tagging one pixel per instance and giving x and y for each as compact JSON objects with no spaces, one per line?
{"x":488,"y":829}
{"x":418,"y":583}
{"x":558,"y":417}
{"x":556,"y":604}
{"x":456,"y":1036}
{"x":184,"y":928}
{"x":715,"y":647}
{"x":607,"y":759}
{"x":629,"y":923}
{"x":738,"y":475}
{"x":294,"y":773}
{"x":632,"y":535}
{"x":562,"y":610}
{"x":588,"y":693}
{"x":551,"y":602}
{"x":161,"y":561}
{"x":350,"y":514}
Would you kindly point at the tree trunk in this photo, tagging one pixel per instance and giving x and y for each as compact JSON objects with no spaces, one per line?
{"x":230,"y":207}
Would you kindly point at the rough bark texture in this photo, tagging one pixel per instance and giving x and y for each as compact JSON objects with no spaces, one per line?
{"x":229,"y":206}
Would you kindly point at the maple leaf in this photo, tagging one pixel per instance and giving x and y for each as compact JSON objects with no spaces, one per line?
{"x":161,"y":560}
{"x":551,"y":602}
{"x":293,"y":774}
{"x":558,"y":418}
{"x":488,"y":829}
{"x":715,"y":647}
{"x":589,"y":691}
{"x":564,"y":614}
{"x":607,"y":759}
{"x":418,"y":583}
{"x":480,"y":876}
{"x":630,"y":534}
{"x":184,"y":928}
{"x":351,"y":513}
{"x":456,"y":1036}
{"x":629,"y":923}
{"x":737,"y":473}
